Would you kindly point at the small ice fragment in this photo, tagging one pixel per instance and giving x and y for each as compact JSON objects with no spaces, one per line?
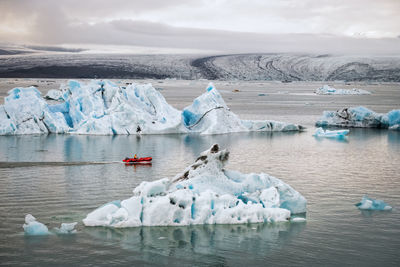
{"x":328,"y":90}
{"x":298,"y":219}
{"x":372,"y":204}
{"x":33,"y":227}
{"x":319,"y":132}
{"x":162,"y":237}
{"x":66,"y":228}
{"x":360,"y":117}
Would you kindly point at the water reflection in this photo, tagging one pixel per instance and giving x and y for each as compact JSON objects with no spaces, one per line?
{"x":393,"y":138}
{"x":76,"y":148}
{"x":205,"y":240}
{"x":342,"y":139}
{"x":372,"y":213}
{"x":331,"y":175}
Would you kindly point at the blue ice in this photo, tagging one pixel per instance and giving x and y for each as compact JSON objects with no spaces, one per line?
{"x":372,"y":204}
{"x":189,"y":118}
{"x":66,"y":228}
{"x":394,"y":117}
{"x":33,"y":227}
{"x":340,"y":134}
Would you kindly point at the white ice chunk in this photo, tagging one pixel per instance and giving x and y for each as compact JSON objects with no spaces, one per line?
{"x":339,"y":134}
{"x":328,"y":90}
{"x":359,"y":117}
{"x":204,"y":193}
{"x":298,"y":219}
{"x":66,"y":228}
{"x":33,"y":227}
{"x":372,"y":204}
{"x":102,"y":216}
{"x":270,"y":197}
{"x":54,"y":94}
{"x":151,"y":189}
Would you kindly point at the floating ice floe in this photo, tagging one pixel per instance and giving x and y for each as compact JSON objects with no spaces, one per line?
{"x":33,"y":227}
{"x":66,"y":228}
{"x":205,"y":193}
{"x":103,"y":108}
{"x":339,"y":134}
{"x":360,"y":117}
{"x":372,"y":204}
{"x":328,"y":90}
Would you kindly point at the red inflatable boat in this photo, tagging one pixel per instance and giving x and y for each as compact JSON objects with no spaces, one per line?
{"x":145,"y":160}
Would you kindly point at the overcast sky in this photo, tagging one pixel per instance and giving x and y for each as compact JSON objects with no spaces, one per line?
{"x":225,"y":26}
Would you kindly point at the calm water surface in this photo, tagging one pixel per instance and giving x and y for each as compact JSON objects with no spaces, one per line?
{"x":62,"y":178}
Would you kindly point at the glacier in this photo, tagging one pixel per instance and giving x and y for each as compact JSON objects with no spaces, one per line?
{"x":360,"y":117}
{"x":340,"y":134}
{"x":33,"y":227}
{"x":329,"y":90}
{"x":372,"y":204}
{"x":103,"y":108}
{"x":204,"y":193}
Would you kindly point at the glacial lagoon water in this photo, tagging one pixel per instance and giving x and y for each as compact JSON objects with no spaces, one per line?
{"x":60,"y":178}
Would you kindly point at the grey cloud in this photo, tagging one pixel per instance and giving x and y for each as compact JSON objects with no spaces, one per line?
{"x":141,"y":33}
{"x":71,"y":22}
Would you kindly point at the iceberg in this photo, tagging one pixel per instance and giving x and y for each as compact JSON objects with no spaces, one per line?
{"x":340,"y":134}
{"x":26,"y":112}
{"x":209,"y":114}
{"x":328,"y":90}
{"x":33,"y":227}
{"x":66,"y":228}
{"x":360,"y":117}
{"x":204,"y":193}
{"x":103,"y":108}
{"x":372,"y":204}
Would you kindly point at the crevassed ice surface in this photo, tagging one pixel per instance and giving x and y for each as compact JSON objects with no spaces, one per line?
{"x":360,"y":117}
{"x":103,"y":108}
{"x":204,"y":193}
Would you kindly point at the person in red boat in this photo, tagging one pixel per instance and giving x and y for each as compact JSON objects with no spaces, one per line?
{"x":135,"y":157}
